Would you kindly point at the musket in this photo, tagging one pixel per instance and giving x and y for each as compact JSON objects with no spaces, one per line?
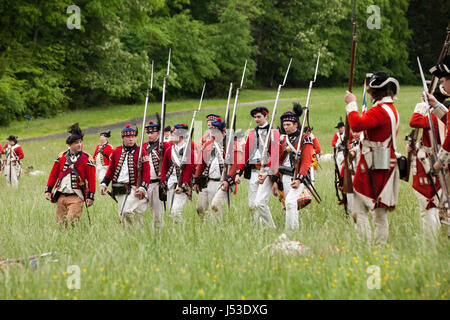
{"x":412,"y":138}
{"x":10,"y":164}
{"x":300,"y":143}
{"x":264,"y":158}
{"x":227,"y":112}
{"x":230,"y":135}
{"x":139,"y":164}
{"x":434,"y":144}
{"x":348,"y":185}
{"x":188,"y":142}
{"x":163,"y":110}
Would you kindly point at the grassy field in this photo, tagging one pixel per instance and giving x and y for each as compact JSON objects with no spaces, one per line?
{"x":216,"y":261}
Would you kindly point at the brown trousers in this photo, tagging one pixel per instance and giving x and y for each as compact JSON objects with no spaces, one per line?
{"x":68,"y":208}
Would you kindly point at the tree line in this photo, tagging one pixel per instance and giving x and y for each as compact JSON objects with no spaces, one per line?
{"x":47,"y":67}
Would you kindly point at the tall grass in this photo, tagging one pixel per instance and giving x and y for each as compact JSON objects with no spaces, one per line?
{"x":203,"y":260}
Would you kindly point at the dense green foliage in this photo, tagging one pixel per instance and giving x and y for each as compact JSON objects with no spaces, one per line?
{"x":45,"y":67}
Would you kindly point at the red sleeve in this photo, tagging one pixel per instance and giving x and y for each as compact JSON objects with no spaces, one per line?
{"x":90,"y":174}
{"x":371,"y":119}
{"x":108,"y":150}
{"x":306,"y":158}
{"x":316,"y":145}
{"x":274,"y":151}
{"x":335,"y":139}
{"x":241,"y":166}
{"x":238,"y":156}
{"x":188,"y":169}
{"x":165,"y":164}
{"x":280,"y":156}
{"x":95,"y":152}
{"x":419,"y":121}
{"x":53,"y":175}
{"x":1,"y":149}
{"x":145,"y":170}
{"x":19,"y":152}
{"x":110,"y":172}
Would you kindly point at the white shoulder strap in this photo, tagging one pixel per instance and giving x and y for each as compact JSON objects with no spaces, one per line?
{"x":394,"y":124}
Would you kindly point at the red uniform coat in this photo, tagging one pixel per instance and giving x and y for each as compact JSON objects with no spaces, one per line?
{"x":306,"y":153}
{"x":250,"y":146}
{"x":336,"y":138}
{"x":443,"y":115}
{"x":421,"y":181}
{"x":155,"y":158}
{"x":376,"y":125}
{"x":116,"y":162}
{"x":16,"y":148}
{"x":107,"y":150}
{"x":85,"y":168}
{"x":316,"y":145}
{"x":188,"y":170}
{"x":207,"y":149}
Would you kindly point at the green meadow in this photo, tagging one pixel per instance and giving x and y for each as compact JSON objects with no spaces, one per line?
{"x":212,"y":260}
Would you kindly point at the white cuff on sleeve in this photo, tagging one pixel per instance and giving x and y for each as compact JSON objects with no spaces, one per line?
{"x":352,"y":106}
{"x":440,"y":110}
{"x":421,"y":108}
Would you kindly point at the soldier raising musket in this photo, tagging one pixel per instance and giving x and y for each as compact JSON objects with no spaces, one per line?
{"x":377,"y":175}
{"x":442,"y":72}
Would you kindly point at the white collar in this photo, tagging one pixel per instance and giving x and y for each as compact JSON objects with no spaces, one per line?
{"x":384,"y":100}
{"x":265,"y":124}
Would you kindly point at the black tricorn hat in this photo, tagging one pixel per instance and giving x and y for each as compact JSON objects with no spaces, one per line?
{"x":382,"y":80}
{"x":442,"y":69}
{"x":106,"y":134}
{"x":12,"y":138}
{"x":75,"y":134}
{"x":340,"y":124}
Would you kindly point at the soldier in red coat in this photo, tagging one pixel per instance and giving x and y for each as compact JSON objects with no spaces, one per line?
{"x":101,"y":155}
{"x":315,"y":155}
{"x":175,"y":175}
{"x":124,"y":175}
{"x":260,"y":187}
{"x":426,"y":186}
{"x":208,"y":173}
{"x":66,"y":185}
{"x":377,"y":175}
{"x":440,"y":109}
{"x":207,"y":144}
{"x":442,"y":71}
{"x":152,"y":148}
{"x":284,"y":178}
{"x":12,"y":167}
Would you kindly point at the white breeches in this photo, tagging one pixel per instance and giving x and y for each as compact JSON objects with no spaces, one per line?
{"x":206,"y":196}
{"x":101,"y":172}
{"x":133,"y":207}
{"x":362,"y":226}
{"x":176,"y":201}
{"x":258,"y":199}
{"x":155,"y":205}
{"x":292,"y":196}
